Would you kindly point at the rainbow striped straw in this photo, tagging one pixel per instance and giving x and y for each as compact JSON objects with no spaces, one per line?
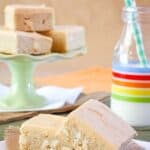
{"x":136,"y":29}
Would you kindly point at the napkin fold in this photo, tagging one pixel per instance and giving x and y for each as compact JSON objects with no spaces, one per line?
{"x":56,"y":96}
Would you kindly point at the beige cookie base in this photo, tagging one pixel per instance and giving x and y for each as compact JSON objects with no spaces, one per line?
{"x":29,"y":18}
{"x":39,"y":132}
{"x":18,"y":42}
{"x":91,"y":126}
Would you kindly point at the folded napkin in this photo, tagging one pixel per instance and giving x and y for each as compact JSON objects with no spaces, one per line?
{"x":56,"y":97}
{"x":145,"y":145}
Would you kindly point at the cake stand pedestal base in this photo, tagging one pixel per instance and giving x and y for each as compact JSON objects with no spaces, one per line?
{"x":22,"y":93}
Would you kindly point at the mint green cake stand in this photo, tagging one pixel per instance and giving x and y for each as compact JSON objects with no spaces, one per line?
{"x":22,"y":94}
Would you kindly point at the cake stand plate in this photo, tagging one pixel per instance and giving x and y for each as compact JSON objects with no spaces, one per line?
{"x":22,"y":95}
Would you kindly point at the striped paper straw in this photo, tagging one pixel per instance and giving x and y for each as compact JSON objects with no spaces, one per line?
{"x":137,"y":33}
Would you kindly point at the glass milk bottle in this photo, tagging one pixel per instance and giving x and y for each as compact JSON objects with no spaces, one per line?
{"x":130,"y":95}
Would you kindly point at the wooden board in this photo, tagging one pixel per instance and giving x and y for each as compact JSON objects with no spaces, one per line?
{"x":9,"y":117}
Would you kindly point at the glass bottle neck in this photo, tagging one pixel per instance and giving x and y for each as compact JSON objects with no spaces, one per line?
{"x":139,"y":14}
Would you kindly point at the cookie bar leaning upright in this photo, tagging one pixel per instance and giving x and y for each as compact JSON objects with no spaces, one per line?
{"x":29,"y":17}
{"x":38,"y":133}
{"x":17,"y":42}
{"x":67,"y":37}
{"x":94,"y":127}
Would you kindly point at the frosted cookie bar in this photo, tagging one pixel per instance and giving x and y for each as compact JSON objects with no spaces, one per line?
{"x":16,"y":42}
{"x":94,"y":127}
{"x":39,"y":133}
{"x":67,"y":37}
{"x":29,"y":17}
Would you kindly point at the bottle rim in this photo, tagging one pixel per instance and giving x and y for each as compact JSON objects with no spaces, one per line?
{"x":140,"y":14}
{"x":139,"y":10}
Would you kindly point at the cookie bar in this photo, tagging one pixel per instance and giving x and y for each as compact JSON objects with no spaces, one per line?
{"x":29,"y":17}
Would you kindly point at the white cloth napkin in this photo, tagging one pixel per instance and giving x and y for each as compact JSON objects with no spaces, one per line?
{"x":145,"y":145}
{"x":56,"y":97}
